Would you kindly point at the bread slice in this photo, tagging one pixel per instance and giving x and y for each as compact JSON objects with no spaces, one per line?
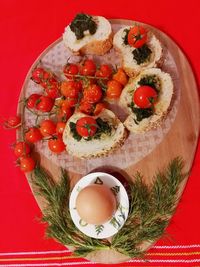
{"x":97,"y":44}
{"x":95,"y":147}
{"x":161,"y":107}
{"x":129,"y":64}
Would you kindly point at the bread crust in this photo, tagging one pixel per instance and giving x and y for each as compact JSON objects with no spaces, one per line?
{"x":97,"y":47}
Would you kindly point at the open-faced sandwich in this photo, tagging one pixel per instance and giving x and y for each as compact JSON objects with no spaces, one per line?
{"x":146,"y":98}
{"x":93,"y":136}
{"x":139,"y":49}
{"x":88,"y":35}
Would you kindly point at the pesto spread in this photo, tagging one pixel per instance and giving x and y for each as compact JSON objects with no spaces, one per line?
{"x":83,"y":22}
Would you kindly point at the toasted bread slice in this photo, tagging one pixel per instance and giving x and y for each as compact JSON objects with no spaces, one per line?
{"x":129,"y":64}
{"x":93,"y":148}
{"x":95,"y":44}
{"x":161,"y":107}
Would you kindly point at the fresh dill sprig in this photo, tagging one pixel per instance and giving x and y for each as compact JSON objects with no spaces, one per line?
{"x":151,"y":207}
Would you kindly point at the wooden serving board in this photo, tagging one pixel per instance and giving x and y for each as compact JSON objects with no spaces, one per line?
{"x":180,"y":140}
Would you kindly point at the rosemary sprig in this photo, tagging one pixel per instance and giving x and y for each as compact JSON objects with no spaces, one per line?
{"x":149,"y":213}
{"x":150,"y":209}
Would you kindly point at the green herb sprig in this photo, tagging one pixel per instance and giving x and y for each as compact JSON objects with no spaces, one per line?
{"x":151,"y":207}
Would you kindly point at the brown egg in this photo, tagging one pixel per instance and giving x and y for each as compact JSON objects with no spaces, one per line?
{"x":96,"y":204}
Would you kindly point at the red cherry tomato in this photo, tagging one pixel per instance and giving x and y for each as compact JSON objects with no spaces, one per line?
{"x":33,"y":135}
{"x":99,"y":107}
{"x":27,"y":164}
{"x":114,"y":89}
{"x":86,"y":126}
{"x":52,"y":90}
{"x":56,"y":144}
{"x":70,"y":70}
{"x":105,"y":71}
{"x":71,"y":89}
{"x":21,"y":149}
{"x":32,"y":100}
{"x":86,"y":107}
{"x":38,"y":75}
{"x":60,"y":127}
{"x":13,"y":122}
{"x":47,"y":127}
{"x":137,"y":36}
{"x":93,"y":93}
{"x":44,"y":103}
{"x":88,"y":68}
{"x":145,"y":96}
{"x":121,"y":77}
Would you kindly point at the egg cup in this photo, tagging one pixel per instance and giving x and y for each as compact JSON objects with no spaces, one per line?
{"x":113,"y":225}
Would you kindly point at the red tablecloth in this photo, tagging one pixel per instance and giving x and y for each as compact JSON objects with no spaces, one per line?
{"x":27,"y":27}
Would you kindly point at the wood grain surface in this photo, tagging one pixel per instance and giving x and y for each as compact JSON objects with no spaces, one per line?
{"x":181,"y":140}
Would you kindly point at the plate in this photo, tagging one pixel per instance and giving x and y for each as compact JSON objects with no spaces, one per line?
{"x":146,"y":153}
{"x":118,"y":219}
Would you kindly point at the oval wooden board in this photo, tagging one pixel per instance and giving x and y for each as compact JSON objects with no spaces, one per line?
{"x":181,"y":140}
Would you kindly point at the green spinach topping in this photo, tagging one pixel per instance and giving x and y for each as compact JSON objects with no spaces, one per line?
{"x":83,"y":22}
{"x":103,"y":127}
{"x":125,"y":37}
{"x":141,"y":54}
{"x":141,"y":113}
{"x":151,"y":80}
{"x":75,"y":135}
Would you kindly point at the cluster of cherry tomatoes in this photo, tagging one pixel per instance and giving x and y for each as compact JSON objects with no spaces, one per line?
{"x":85,"y":89}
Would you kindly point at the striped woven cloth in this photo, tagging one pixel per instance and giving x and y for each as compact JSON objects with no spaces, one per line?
{"x":159,"y":255}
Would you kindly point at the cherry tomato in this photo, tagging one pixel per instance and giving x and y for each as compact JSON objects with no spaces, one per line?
{"x":86,"y":107}
{"x":71,"y":89}
{"x":137,"y":36}
{"x":114,"y":89}
{"x":66,"y":107}
{"x":47,"y":127}
{"x":70,"y":102}
{"x":32,"y":100}
{"x":38,"y":74}
{"x":33,"y":135}
{"x":88,"y":68}
{"x":13,"y":122}
{"x":60,"y":127}
{"x":105,"y":71}
{"x":70,"y":70}
{"x":52,"y":90}
{"x":86,"y":126}
{"x":120,"y":76}
{"x":145,"y":96}
{"x":27,"y":164}
{"x":99,"y":107}
{"x":56,"y":144}
{"x":21,"y":149}
{"x":45,"y":103}
{"x":92,"y":93}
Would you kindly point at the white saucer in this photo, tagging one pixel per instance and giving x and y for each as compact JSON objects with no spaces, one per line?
{"x":118,"y":219}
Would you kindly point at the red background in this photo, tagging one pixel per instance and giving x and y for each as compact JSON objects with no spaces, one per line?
{"x":26,"y":29}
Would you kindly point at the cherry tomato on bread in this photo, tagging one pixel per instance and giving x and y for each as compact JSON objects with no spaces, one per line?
{"x":86,"y":126}
{"x":145,"y":96}
{"x":137,"y":36}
